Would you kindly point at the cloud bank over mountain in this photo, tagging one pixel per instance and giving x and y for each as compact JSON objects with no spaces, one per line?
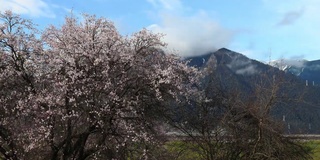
{"x":191,"y":36}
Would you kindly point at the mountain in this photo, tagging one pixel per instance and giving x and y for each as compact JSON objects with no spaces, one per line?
{"x":235,"y":72}
{"x":236,"y":68}
{"x":284,"y":64}
{"x":308,"y":71}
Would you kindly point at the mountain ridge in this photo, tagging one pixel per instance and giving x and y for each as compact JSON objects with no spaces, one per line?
{"x":236,"y":71}
{"x":308,"y":71}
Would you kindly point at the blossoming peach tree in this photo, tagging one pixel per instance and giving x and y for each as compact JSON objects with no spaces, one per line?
{"x":83,"y":90}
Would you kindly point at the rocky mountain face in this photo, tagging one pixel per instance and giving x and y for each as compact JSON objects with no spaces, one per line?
{"x":308,"y":71}
{"x":236,"y":72}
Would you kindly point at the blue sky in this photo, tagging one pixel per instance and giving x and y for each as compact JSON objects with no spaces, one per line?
{"x":260,"y":29}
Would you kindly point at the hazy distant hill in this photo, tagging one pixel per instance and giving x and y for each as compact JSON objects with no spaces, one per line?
{"x":238,"y":72}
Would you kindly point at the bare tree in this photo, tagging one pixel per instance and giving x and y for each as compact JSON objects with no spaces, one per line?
{"x":239,"y":124}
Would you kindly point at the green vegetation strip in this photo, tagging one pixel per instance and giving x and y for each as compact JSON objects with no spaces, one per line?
{"x":187,"y":151}
{"x":314,"y":145}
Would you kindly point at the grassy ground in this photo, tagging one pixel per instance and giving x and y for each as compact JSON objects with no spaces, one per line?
{"x":315,"y":147}
{"x":183,"y":151}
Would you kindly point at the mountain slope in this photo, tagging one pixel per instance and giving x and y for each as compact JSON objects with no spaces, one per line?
{"x":236,"y":72}
{"x":308,"y":71}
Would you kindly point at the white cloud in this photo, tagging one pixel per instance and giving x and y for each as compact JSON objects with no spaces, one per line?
{"x":192,"y":36}
{"x":153,"y":2}
{"x":242,"y":66}
{"x":35,"y":8}
{"x":248,"y":70}
{"x":166,"y":4}
{"x":189,"y":35}
{"x":293,"y":62}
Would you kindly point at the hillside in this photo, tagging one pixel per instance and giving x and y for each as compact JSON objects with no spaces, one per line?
{"x":308,"y":71}
{"x":298,"y":109}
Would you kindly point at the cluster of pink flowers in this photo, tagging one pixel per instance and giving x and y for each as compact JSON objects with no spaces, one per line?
{"x":83,"y":89}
